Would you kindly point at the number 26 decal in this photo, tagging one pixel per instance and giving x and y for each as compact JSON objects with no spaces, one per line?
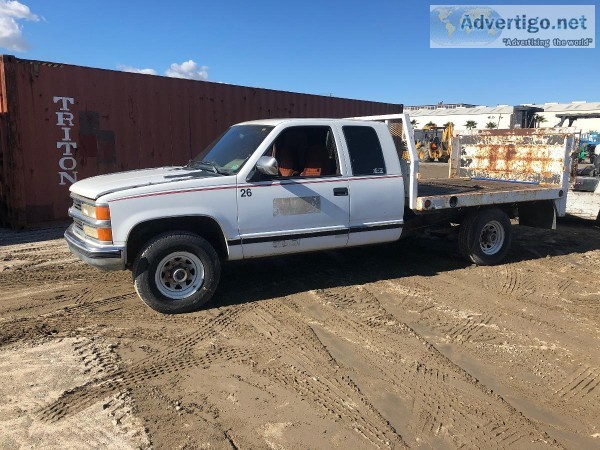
{"x":246,"y":192}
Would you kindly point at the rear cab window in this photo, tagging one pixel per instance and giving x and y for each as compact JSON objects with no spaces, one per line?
{"x":364,"y":149}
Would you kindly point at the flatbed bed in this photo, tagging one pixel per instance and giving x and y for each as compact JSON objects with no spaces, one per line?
{"x":465,"y":192}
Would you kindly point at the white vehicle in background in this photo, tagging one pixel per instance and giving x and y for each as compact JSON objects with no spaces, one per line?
{"x":275,"y":187}
{"x":584,"y":197}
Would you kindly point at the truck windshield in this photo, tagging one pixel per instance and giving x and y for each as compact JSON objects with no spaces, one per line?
{"x":228,"y":153}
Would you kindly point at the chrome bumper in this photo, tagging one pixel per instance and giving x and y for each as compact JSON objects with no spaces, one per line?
{"x":106,"y":257}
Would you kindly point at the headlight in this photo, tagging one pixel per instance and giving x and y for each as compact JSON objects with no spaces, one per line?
{"x":95,"y":212}
{"x":102,"y":234}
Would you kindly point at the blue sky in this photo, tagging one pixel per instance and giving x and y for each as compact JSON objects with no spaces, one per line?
{"x":373,"y":50}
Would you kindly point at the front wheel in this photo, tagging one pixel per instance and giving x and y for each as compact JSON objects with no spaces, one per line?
{"x":485,"y":236}
{"x":176,"y":272}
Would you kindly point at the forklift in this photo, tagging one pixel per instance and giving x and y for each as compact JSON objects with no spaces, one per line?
{"x":434,"y":143}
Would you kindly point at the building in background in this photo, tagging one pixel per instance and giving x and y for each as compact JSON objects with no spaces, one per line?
{"x":500,"y":116}
{"x":585,"y":111}
{"x":440,"y":105}
{"x":505,"y":116}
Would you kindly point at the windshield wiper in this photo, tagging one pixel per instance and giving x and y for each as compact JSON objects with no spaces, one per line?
{"x":210,"y":164}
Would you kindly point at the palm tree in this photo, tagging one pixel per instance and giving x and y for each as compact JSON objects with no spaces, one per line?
{"x":447,"y":124}
{"x":430,"y":125}
{"x":414,"y":123}
{"x":470,"y":125}
{"x":491,"y":125}
{"x":539,"y":120}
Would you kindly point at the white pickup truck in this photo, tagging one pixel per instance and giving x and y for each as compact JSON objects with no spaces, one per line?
{"x":274,"y":187}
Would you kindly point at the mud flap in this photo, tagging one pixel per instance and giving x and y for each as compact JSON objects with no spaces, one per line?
{"x":538,"y":215}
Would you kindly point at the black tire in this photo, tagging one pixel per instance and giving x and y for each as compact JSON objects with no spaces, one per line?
{"x":485,"y":236}
{"x":176,"y":272}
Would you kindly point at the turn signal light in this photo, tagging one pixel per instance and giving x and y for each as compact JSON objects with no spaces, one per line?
{"x":102,"y":234}
{"x":102,"y":213}
{"x":105,"y":234}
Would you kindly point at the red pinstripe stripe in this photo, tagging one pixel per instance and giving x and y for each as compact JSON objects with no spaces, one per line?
{"x":219,"y":188}
{"x":156,"y":194}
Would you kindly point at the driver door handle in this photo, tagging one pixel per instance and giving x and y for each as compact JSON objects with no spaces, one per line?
{"x":340,"y":192}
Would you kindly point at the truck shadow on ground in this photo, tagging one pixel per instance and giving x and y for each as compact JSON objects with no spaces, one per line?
{"x":18,"y":237}
{"x":257,"y":280}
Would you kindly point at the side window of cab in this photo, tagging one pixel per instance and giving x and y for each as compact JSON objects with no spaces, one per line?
{"x":364,"y":148}
{"x":306,"y":151}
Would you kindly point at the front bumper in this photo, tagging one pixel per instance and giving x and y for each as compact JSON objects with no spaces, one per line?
{"x":106,"y":257}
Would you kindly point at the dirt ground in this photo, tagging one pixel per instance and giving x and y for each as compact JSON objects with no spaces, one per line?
{"x":402,"y":345}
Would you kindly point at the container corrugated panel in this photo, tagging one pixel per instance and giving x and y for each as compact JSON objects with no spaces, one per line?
{"x":60,"y":123}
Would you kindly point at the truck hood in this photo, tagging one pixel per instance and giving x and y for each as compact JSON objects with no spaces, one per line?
{"x":97,"y":186}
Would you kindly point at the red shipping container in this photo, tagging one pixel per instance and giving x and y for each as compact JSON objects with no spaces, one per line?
{"x":60,"y":123}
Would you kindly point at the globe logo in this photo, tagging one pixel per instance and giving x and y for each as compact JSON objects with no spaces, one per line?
{"x":463,"y":26}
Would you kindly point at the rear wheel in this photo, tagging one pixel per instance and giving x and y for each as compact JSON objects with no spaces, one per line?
{"x":176,"y":272}
{"x":485,"y":236}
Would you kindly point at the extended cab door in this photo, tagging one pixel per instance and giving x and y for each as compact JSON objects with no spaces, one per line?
{"x":375,"y":184}
{"x":307,"y":206}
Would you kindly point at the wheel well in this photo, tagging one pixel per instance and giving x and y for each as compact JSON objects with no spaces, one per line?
{"x":540,"y":214}
{"x":205,"y":227}
{"x":509,"y":208}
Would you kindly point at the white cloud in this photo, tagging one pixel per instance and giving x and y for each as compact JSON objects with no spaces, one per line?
{"x":188,"y":69}
{"x":136,"y":70}
{"x":11,"y":36}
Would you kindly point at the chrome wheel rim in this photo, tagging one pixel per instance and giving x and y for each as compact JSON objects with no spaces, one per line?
{"x":491,"y":238}
{"x":179,"y":275}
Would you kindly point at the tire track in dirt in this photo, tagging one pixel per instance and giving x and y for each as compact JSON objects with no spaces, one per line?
{"x":306,"y":367}
{"x":522,"y":357}
{"x":126,"y":379}
{"x":49,"y":275}
{"x":100,"y":426}
{"x":584,"y":383}
{"x":429,"y":383}
{"x":61,"y":321}
{"x":95,"y":359}
{"x":80,"y":306}
{"x":339,"y":407}
{"x":458,"y":325}
{"x":572,"y":280}
{"x":43,"y":264}
{"x":475,"y":328}
{"x":175,"y":358}
{"x":510,"y":279}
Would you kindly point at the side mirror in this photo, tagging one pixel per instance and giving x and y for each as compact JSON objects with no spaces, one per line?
{"x":267,"y":165}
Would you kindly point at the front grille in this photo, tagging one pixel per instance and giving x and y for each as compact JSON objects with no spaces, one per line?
{"x":78,"y":224}
{"x":77,"y":204}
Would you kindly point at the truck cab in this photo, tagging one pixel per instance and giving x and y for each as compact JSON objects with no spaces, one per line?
{"x":263,"y":188}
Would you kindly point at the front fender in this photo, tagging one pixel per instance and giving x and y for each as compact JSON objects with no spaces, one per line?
{"x":219,"y":205}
